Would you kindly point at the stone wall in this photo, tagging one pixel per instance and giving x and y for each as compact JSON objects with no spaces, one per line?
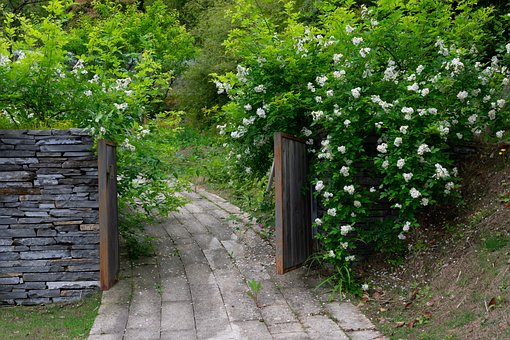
{"x":49,"y":213}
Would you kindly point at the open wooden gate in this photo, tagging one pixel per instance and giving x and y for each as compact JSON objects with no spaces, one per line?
{"x":108,"y":215}
{"x":293,"y":208}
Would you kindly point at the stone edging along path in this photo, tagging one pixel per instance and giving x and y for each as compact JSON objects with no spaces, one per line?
{"x":196,"y":286}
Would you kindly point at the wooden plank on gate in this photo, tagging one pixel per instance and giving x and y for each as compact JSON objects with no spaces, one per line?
{"x":292,"y":198}
{"x":109,"y":253}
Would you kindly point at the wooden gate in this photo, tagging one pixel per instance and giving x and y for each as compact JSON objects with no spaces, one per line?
{"x":292,"y":198}
{"x":108,"y":215}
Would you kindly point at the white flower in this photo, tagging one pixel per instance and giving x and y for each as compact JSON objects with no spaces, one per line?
{"x":88,"y":93}
{"x":400,"y":163}
{"x":261,"y":113}
{"x":102,"y":130}
{"x":414,"y":87}
{"x":4,"y":61}
{"x":347,"y":122}
{"x":349,"y":29}
{"x":357,"y":204}
{"x":344,"y":245}
{"x":459,"y":135}
{"x":449,"y":186}
{"x":260,"y":88}
{"x":441,"y":172}
{"x":345,"y":171}
{"x":385,"y":164}
{"x":414,"y":193}
{"x":364,"y":51}
{"x":331,"y":212}
{"x":462,"y":95}
{"x":120,"y":107}
{"x":372,"y":189}
{"x":306,"y":132}
{"x":391,"y":73}
{"x":345,"y":229}
{"x":500,"y":103}
{"x":443,"y":130}
{"x":401,"y":236}
{"x":349,"y":189}
{"x":424,"y":201}
{"x":407,"y":110}
{"x":364,"y":287}
{"x":331,"y":253}
{"x":318,"y":99}
{"x":339,"y":74}
{"x":247,"y":107}
{"x":321,"y":80}
{"x":126,"y":144}
{"x":319,"y":186}
{"x":379,"y":125}
{"x":342,"y":149}
{"x":318,"y":221}
{"x":356,"y":92}
{"x":350,"y":258}
{"x":500,"y":133}
{"x":422,"y":149}
{"x":337,"y":57}
{"x":472,"y":119}
{"x":407,"y":176}
{"x":327,"y":195}
{"x":398,"y":141}
{"x":248,"y":170}
{"x":397,"y":206}
{"x":403,"y":129}
{"x":420,"y":69}
{"x":507,"y":47}
{"x":310,"y":87}
{"x":425,"y":92}
{"x":356,"y":40}
{"x":316,"y":115}
{"x":382,"y":148}
{"x":406,"y":226}
{"x":330,"y":93}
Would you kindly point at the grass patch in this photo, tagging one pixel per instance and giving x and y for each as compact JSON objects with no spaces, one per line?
{"x":55,"y":321}
{"x":462,"y":319}
{"x":496,"y":242}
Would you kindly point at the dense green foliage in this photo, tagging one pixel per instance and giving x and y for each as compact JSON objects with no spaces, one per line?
{"x":417,"y":77}
{"x":100,"y":74}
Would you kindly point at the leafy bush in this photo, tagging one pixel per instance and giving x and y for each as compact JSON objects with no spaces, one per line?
{"x":413,"y":76}
{"x":104,"y":76}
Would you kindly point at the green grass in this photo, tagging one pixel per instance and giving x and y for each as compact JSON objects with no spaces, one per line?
{"x":55,"y":321}
{"x":496,"y":242}
{"x":462,"y":319}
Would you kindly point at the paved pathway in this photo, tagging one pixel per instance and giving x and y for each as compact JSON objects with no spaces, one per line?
{"x":195,"y":288}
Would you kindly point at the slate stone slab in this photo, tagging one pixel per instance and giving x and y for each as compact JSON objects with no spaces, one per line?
{"x":48,"y":216}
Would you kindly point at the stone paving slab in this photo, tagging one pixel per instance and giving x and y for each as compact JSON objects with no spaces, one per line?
{"x":196,"y":286}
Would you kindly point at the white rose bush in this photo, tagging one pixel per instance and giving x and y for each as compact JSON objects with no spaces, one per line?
{"x":382,"y":93}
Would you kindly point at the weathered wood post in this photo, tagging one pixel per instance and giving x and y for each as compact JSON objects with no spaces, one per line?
{"x":292,"y":198}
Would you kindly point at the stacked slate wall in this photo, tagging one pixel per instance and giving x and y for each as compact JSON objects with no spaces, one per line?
{"x":49,"y":215}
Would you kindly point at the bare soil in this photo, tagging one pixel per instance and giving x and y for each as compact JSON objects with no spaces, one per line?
{"x":455,"y":281}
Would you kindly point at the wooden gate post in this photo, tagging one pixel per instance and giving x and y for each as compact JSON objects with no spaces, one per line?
{"x":109,"y":258}
{"x":292,"y":198}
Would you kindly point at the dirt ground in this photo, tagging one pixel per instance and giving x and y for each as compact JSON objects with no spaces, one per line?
{"x":455,"y":281}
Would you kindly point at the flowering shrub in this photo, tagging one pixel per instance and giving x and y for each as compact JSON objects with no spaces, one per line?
{"x":411,"y":75}
{"x":110,"y":88}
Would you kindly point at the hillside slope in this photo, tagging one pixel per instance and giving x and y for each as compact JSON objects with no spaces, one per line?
{"x":455,"y":282}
